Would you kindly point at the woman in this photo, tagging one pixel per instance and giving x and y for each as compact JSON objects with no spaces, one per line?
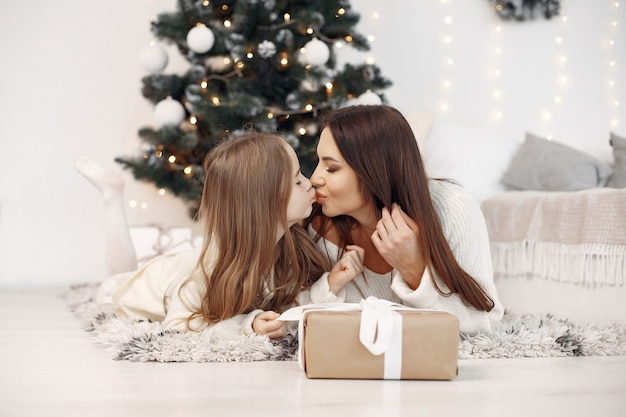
{"x":256,"y":259}
{"x":425,"y":241}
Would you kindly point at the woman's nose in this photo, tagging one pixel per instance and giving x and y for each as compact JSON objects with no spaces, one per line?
{"x":316,"y":179}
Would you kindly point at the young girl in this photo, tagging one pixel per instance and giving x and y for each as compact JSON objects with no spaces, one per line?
{"x":256,"y":259}
{"x":425,"y":241}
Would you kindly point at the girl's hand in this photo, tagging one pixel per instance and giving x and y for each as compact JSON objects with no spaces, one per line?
{"x":349,"y":266}
{"x":265,"y":323}
{"x":397,"y":239}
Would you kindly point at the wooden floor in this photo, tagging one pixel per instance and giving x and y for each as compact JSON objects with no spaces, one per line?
{"x":50,"y":367}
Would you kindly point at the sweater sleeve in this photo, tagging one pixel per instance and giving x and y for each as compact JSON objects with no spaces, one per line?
{"x":320,"y":292}
{"x":466,"y":232}
{"x":182,"y":304}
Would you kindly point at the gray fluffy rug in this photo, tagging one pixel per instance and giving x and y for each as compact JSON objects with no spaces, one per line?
{"x":516,"y":336}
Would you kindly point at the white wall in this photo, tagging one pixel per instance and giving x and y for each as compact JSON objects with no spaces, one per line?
{"x":529,"y":65}
{"x":70,"y":85}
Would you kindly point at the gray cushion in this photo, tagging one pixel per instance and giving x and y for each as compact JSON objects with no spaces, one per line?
{"x":544,"y":165}
{"x":618,"y":178}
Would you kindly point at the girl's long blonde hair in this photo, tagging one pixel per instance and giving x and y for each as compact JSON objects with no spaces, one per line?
{"x":248,"y":183}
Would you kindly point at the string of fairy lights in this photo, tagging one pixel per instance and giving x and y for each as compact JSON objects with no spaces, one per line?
{"x":562,"y":78}
{"x":561,"y":86}
{"x":613,"y":83}
{"x":446,"y":83}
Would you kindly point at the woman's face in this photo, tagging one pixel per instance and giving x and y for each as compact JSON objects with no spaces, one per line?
{"x":302,"y":193}
{"x":337,"y":186}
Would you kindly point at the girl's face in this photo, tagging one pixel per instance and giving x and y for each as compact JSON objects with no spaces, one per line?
{"x":337,"y":186}
{"x":302,"y":193}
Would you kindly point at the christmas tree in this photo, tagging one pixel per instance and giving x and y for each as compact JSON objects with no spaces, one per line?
{"x":268,"y":65}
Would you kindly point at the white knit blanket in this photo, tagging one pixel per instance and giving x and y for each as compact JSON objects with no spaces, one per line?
{"x":577,"y":236}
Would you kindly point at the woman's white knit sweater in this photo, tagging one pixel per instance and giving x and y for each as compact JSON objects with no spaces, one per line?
{"x":464,"y":227}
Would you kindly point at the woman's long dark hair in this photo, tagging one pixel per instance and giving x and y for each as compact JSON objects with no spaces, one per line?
{"x":379,"y":145}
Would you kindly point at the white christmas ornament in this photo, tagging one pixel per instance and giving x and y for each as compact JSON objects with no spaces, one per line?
{"x":153,"y":58}
{"x":369,"y":98}
{"x":169,"y":112}
{"x":266,"y":49}
{"x":316,"y":52}
{"x":200,"y":39}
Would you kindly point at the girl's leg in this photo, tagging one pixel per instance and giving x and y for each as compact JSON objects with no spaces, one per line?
{"x":120,"y":255}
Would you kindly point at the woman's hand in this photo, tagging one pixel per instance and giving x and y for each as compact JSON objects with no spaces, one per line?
{"x":265,"y":323}
{"x":397,"y":239}
{"x":349,"y":266}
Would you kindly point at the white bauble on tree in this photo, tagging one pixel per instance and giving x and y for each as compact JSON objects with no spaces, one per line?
{"x":369,"y":98}
{"x":316,"y":52}
{"x":169,"y":112}
{"x":153,"y":58}
{"x":200,"y":39}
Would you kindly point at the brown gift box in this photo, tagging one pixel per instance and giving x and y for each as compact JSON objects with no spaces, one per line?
{"x":330,"y":346}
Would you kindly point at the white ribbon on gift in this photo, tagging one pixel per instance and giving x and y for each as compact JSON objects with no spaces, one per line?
{"x":380,"y":331}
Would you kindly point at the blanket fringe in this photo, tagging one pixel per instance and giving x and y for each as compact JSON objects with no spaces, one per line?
{"x":587,"y":264}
